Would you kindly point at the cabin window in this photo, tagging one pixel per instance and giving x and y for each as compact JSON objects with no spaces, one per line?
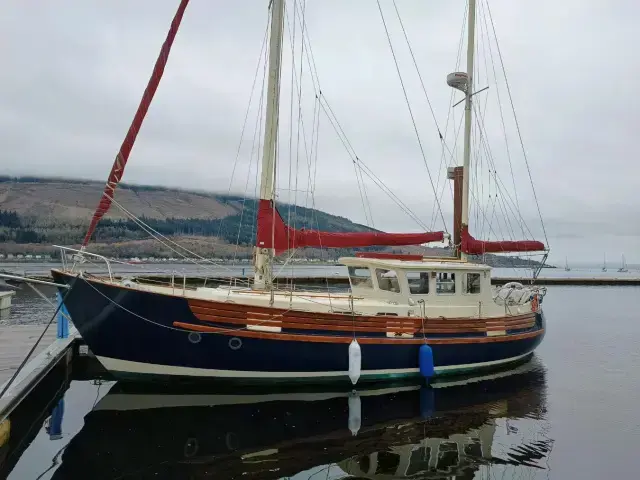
{"x":360,"y":277}
{"x":387,"y":280}
{"x":446,"y":283}
{"x":471,"y":283}
{"x":418,"y":282}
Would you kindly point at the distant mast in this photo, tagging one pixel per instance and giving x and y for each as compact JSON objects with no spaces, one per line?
{"x":263,"y":276}
{"x":464,"y":82}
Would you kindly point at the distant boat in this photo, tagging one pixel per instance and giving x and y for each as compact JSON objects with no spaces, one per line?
{"x":604,"y":263}
{"x":566,"y":265}
{"x":623,"y":268}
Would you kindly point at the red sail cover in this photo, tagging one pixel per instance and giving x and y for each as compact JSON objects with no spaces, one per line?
{"x":286,"y":238}
{"x":125,"y":149}
{"x":471,"y":246}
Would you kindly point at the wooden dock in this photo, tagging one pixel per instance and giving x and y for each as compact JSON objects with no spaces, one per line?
{"x":15,"y":343}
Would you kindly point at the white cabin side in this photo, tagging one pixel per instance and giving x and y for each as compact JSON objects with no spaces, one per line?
{"x":445,"y":288}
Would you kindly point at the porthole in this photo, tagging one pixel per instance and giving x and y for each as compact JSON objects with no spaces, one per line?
{"x":191,"y":447}
{"x":235,"y":343}
{"x":194,"y":337}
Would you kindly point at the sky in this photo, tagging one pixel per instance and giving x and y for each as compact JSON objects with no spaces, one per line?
{"x":73,"y":72}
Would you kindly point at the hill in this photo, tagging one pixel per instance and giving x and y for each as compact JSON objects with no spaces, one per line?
{"x":36,"y":213}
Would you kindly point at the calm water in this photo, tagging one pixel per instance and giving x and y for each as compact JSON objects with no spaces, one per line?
{"x":574,"y":412}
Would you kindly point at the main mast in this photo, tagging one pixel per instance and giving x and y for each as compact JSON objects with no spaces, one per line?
{"x":264,"y":256}
{"x":467,"y":118}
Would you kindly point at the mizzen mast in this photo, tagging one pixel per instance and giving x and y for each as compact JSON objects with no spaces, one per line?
{"x":264,"y":256}
{"x":467,"y":119}
{"x":464,"y":82}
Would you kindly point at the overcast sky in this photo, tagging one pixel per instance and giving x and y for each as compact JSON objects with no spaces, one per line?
{"x":73,"y":72}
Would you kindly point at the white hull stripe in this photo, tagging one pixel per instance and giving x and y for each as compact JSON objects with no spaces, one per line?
{"x":126,"y":366}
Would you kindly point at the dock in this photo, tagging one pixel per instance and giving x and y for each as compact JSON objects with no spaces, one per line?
{"x":15,"y":343}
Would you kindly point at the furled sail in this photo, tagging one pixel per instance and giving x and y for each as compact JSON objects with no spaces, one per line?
{"x":471,"y":246}
{"x":285,"y":237}
{"x":125,"y":149}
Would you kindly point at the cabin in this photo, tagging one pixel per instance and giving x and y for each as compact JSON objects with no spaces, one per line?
{"x":412,"y":280}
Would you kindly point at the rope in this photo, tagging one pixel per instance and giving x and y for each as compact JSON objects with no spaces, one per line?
{"x":366,"y":170}
{"x":413,"y":121}
{"x":504,"y":128}
{"x":524,"y":152}
{"x":159,"y":237}
{"x":246,"y":118}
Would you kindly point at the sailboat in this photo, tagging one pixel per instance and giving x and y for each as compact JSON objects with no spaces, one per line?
{"x":623,"y":267}
{"x":566,"y":265}
{"x":405,"y":315}
{"x":604,"y":263}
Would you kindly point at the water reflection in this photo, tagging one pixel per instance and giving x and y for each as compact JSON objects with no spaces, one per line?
{"x":449,"y":430}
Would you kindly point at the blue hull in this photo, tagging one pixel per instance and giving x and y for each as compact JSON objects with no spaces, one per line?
{"x":132,"y":333}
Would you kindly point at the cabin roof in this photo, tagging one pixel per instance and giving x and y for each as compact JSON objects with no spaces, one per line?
{"x":425,"y":264}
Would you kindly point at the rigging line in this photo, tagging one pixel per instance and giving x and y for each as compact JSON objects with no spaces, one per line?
{"x":415,"y":127}
{"x":415,"y":64}
{"x":159,"y":236}
{"x":293,"y":56}
{"x":244,"y":199}
{"x":373,"y":176}
{"x":312,"y":163}
{"x":350,"y":150}
{"x":304,"y":136}
{"x":451,"y":117}
{"x":450,"y":162}
{"x":349,"y":147}
{"x":255,"y":147}
{"x":517,"y":213}
{"x":495,"y":174}
{"x":302,"y":28}
{"x":366,"y":198}
{"x":310,"y":58}
{"x":524,"y":153}
{"x":246,"y":116}
{"x":487,"y":147}
{"x":504,"y":128}
{"x":316,"y":148}
{"x":314,"y":126}
{"x":364,"y":206}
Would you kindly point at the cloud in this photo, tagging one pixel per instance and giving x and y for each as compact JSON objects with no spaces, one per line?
{"x":73,"y":73}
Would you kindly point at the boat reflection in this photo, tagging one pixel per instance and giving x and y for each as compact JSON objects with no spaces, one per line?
{"x":442,"y":431}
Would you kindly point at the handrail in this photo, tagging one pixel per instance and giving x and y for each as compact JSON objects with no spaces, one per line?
{"x":89,"y":254}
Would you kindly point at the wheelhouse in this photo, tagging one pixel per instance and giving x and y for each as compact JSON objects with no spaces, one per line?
{"x":409,"y":281}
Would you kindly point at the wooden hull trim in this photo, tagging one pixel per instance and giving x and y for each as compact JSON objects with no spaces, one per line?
{"x":348,"y":339}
